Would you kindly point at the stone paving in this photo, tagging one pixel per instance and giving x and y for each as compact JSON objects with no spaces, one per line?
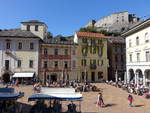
{"x":114,"y":98}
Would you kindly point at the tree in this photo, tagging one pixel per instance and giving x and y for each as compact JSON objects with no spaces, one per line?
{"x":94,"y":30}
{"x":49,"y":35}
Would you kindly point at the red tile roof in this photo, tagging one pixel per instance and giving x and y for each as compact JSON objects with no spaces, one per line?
{"x":88,"y":34}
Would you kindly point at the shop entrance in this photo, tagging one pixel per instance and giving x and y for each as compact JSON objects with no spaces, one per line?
{"x":93,"y":76}
{"x":54,"y":78}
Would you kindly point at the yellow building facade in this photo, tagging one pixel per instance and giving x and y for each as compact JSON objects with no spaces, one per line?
{"x":92,"y":56}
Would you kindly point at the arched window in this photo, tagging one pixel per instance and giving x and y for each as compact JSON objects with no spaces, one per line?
{"x":137,"y":40}
{"x":146,"y":37}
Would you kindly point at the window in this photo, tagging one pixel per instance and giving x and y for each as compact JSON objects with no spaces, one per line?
{"x":74,"y":52}
{"x":45,"y":51}
{"x":137,"y":40}
{"x":19,"y":64}
{"x":84,"y":40}
{"x":100,"y":51}
{"x":93,"y":42}
{"x":101,"y":62}
{"x":129,"y":43}
{"x":116,"y":58}
{"x":94,"y":50}
{"x":36,"y":27}
{"x":19,"y":45}
{"x":31,"y":45}
{"x":83,"y":62}
{"x":122,"y":60}
{"x":130,"y":56}
{"x":56,"y":64}
{"x":138,"y":57}
{"x":55,"y":51}
{"x":8,"y":45}
{"x":100,"y":75}
{"x":66,"y":64}
{"x":116,"y":48}
{"x":66,"y":51}
{"x":45,"y":64}
{"x":122,"y":18}
{"x":94,"y":62}
{"x":83,"y":74}
{"x":84,"y":51}
{"x":146,"y":37}
{"x":99,"y":41}
{"x":31,"y":63}
{"x":147,"y":56}
{"x":73,"y":63}
{"x":28,"y":27}
{"x":98,"y":62}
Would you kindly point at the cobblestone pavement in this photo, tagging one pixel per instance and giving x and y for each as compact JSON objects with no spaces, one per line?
{"x":114,"y":98}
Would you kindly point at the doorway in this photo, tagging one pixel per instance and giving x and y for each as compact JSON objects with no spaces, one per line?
{"x":93,"y":76}
{"x":54,"y":78}
{"x":6,"y":77}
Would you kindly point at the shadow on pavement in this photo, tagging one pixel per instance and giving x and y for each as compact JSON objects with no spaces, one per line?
{"x":110,"y":105}
{"x":138,"y":105}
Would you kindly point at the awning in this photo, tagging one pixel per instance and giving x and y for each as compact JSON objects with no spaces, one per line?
{"x":63,"y":94}
{"x":21,"y":75}
{"x":9,"y":93}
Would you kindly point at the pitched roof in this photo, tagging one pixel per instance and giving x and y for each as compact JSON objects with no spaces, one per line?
{"x":17,"y":33}
{"x":33,"y":21}
{"x":88,"y":34}
{"x":58,"y":42}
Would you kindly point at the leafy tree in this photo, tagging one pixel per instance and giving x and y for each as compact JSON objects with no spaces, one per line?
{"x":94,"y":30}
{"x":49,"y":35}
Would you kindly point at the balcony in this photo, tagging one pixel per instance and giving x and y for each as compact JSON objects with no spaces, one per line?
{"x":93,"y":66}
{"x":8,"y":51}
{"x":6,"y":69}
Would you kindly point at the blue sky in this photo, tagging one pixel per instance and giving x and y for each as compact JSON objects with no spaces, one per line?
{"x":65,"y":16}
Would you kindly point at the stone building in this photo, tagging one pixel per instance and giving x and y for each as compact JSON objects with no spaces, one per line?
{"x":115,"y":22}
{"x":116,"y":56}
{"x":92,"y":56}
{"x":19,"y":51}
{"x":138,"y":53}
{"x":58,"y":60}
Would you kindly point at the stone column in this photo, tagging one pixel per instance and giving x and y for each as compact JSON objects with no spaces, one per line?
{"x":135,"y":77}
{"x":144,"y":78}
{"x":128,"y":76}
{"x":137,"y":74}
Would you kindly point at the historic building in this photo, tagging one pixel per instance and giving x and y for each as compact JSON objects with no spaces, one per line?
{"x":117,"y":59}
{"x":58,"y":60}
{"x":19,"y":50}
{"x":92,"y":56}
{"x":115,"y":22}
{"x":138,"y":53}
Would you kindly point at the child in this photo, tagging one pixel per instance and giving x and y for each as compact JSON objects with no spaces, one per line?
{"x":130,"y":99}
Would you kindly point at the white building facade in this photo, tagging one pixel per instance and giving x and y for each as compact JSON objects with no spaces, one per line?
{"x":19,"y":50}
{"x":138,"y":53}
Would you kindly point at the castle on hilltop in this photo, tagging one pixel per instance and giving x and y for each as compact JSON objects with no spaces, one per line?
{"x":115,"y":22}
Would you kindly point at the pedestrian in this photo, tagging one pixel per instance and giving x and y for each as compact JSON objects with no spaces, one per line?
{"x":130,"y":99}
{"x":100,"y":101}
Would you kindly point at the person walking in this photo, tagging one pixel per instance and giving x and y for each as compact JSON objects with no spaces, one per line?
{"x":100,"y":101}
{"x":130,"y":99}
